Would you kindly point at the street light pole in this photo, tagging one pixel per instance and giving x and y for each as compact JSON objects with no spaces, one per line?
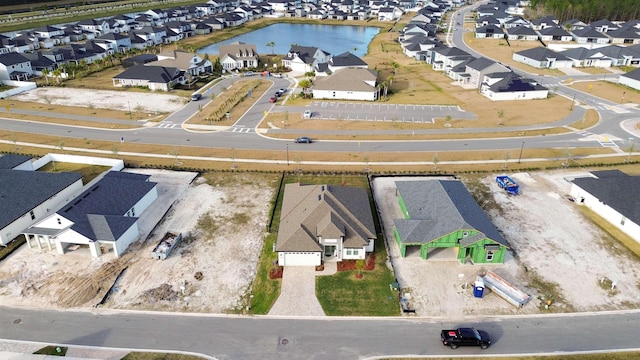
{"x":287,"y":154}
{"x":521,"y":148}
{"x":129,"y":104}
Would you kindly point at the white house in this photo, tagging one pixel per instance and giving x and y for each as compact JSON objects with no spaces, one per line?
{"x":541,"y":58}
{"x":510,"y":86}
{"x":347,"y":84}
{"x":599,"y":193}
{"x":304,"y":59}
{"x":103,"y":218}
{"x":631,"y":79}
{"x":14,"y":66}
{"x":33,"y":195}
{"x":324,"y":223}
{"x":238,"y":55}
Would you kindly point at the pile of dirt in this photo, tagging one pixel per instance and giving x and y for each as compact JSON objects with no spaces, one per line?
{"x":163,"y":292}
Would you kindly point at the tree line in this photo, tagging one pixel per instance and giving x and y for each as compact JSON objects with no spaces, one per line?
{"x":590,"y":10}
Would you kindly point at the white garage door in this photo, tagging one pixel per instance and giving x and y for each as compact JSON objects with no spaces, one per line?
{"x":299,"y":259}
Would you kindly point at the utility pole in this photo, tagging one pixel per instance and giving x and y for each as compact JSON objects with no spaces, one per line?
{"x":521,"y":149}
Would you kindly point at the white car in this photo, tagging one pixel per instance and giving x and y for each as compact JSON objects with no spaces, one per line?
{"x":307,"y":114}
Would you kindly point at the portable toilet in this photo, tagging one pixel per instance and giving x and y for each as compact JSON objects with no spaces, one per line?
{"x":478,"y":288}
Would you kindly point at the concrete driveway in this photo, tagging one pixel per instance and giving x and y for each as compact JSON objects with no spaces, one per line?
{"x":298,"y":291}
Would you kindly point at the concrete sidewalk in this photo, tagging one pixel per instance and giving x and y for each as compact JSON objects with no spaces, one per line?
{"x":298,"y":291}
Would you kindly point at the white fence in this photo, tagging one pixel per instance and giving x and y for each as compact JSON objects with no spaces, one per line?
{"x":20,"y":87}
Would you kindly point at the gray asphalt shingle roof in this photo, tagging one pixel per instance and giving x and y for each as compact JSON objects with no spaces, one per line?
{"x":615,"y":189}
{"x":98,"y":213}
{"x":440,"y":207}
{"x":155,"y":74}
{"x":22,"y":191}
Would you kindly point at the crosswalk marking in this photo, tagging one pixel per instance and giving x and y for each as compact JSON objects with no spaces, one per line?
{"x":167,"y":125}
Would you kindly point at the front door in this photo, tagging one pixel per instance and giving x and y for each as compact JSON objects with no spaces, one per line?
{"x":329,"y":250}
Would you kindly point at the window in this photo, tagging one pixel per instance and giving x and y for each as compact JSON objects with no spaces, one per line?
{"x":59,"y":221}
{"x":622,"y":220}
{"x":33,"y":216}
{"x":348,"y":251}
{"x":355,"y":251}
{"x":465,"y":234}
{"x":489,"y":255}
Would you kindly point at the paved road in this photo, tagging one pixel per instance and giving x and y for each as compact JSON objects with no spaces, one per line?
{"x":267,"y":338}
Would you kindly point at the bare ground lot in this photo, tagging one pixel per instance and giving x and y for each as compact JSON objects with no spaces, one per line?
{"x":549,"y":235}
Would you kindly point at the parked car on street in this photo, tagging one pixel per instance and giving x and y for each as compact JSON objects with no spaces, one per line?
{"x":196,"y":97}
{"x":307,"y":114}
{"x":273,"y":99}
{"x":465,"y":337}
{"x":303,"y":139}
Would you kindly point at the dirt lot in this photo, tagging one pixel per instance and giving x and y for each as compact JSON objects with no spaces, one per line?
{"x":552,"y":240}
{"x":104,"y":99}
{"x":42,"y":278}
{"x":547,"y":232}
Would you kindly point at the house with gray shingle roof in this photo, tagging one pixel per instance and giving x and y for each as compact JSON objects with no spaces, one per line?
{"x":29,"y":196}
{"x":480,"y":67}
{"x":489,"y":32}
{"x":154,"y":77}
{"x":304,"y":58}
{"x":611,"y":194}
{"x":522,"y":33}
{"x":14,"y":66}
{"x":511,"y":86}
{"x":588,"y":35}
{"x":103,"y":218}
{"x":542,"y":58}
{"x":320,"y":223}
{"x":443,"y":214}
{"x":554,"y":33}
{"x":624,"y":36}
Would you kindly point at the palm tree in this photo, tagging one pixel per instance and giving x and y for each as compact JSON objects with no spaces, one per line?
{"x":272,"y":45}
{"x":45,"y":74}
{"x":56,"y":73}
{"x":395,"y":67}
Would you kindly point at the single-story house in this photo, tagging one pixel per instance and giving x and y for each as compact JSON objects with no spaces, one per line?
{"x":541,"y":58}
{"x":610,"y":195}
{"x":29,"y":196}
{"x":154,"y":77}
{"x":103,"y":218}
{"x":347,"y":84}
{"x":511,"y":86}
{"x":321,"y":223}
{"x":443,"y":214}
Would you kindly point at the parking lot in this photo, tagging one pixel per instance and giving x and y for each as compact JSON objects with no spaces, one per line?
{"x":331,"y":110}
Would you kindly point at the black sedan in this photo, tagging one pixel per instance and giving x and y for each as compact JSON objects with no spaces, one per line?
{"x":303,"y":139}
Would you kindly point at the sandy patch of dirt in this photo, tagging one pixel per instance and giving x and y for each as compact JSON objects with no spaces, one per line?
{"x":105,"y":99}
{"x":225,"y":256}
{"x":550,"y":239}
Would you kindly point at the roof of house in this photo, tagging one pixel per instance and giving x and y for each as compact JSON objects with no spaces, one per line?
{"x":489,"y":29}
{"x":521,"y":30}
{"x":176,"y":59}
{"x":588,"y":32}
{"x":327,"y":211}
{"x":554,"y":31}
{"x":98,"y":213}
{"x":634,"y":74}
{"x":9,"y":161}
{"x":512,"y":82}
{"x":238,"y":50}
{"x":22,"y":191}
{"x":440,"y":207}
{"x":12,"y":58}
{"x":624,"y":33}
{"x":614,"y":188}
{"x":346,"y":59}
{"x":542,"y":54}
{"x":154,"y":74}
{"x":347,"y":79}
{"x":480,"y":63}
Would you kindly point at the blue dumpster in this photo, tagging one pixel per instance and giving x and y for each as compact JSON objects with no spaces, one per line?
{"x":478,"y":288}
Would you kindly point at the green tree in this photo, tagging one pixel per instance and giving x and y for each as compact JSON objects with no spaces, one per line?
{"x":271,"y":45}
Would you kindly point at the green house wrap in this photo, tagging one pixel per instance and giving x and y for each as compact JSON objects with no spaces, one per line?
{"x":443,"y":214}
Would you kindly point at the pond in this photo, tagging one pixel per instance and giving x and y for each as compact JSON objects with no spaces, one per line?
{"x":334,"y":39}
